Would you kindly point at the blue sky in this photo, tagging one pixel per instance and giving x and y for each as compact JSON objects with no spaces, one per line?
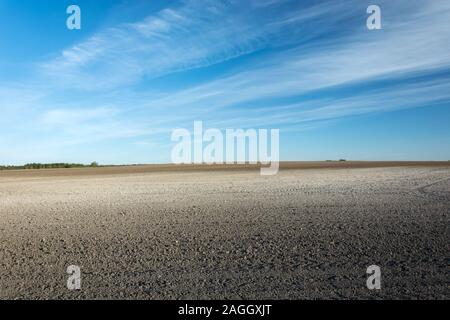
{"x":114,"y":91}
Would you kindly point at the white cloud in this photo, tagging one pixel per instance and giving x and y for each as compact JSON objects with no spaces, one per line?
{"x":68,"y":117}
{"x":422,"y":45}
{"x":192,"y":35}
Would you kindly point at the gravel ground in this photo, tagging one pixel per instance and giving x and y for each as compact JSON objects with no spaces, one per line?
{"x":227,"y":234}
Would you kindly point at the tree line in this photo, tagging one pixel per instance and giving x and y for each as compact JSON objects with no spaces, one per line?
{"x":49,"y":166}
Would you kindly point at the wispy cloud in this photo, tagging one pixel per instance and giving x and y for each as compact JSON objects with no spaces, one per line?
{"x":419,"y":46}
{"x":193,"y":34}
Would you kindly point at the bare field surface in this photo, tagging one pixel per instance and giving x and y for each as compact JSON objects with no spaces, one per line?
{"x":158,"y":168}
{"x":150,"y":233}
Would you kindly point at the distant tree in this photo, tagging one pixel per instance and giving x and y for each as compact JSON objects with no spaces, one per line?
{"x":94,"y":164}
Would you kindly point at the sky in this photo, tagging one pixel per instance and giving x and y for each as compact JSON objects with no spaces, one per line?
{"x":114,"y":91}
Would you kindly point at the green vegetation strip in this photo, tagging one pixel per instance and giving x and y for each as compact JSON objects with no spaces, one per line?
{"x":49,"y":166}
